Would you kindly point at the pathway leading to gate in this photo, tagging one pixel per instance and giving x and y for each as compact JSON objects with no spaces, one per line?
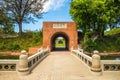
{"x":58,"y":66}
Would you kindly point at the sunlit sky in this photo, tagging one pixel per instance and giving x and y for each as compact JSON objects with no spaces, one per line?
{"x":56,"y":10}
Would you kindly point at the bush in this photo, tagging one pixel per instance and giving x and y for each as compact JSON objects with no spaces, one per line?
{"x":2,"y":46}
{"x":36,"y":37}
{"x":15,"y":46}
{"x":118,"y":44}
{"x":88,"y":44}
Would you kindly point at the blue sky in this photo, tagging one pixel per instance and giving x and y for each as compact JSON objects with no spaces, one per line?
{"x":56,"y":10}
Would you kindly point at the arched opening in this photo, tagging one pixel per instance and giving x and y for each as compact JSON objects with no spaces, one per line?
{"x":59,"y":42}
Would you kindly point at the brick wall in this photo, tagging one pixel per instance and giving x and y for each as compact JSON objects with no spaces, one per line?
{"x":33,"y":50}
{"x":70,"y":31}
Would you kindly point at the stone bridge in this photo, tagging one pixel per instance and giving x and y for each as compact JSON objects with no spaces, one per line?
{"x":62,"y":65}
{"x":72,"y":64}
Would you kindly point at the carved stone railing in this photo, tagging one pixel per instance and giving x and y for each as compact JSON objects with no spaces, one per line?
{"x":8,"y":65}
{"x":85,"y":58}
{"x":36,"y":58}
{"x":93,"y":62}
{"x":24,"y":61}
{"x":110,"y":65}
{"x":96,"y":65}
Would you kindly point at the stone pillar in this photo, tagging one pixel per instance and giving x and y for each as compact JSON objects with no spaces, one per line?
{"x":23,"y":63}
{"x":96,"y":64}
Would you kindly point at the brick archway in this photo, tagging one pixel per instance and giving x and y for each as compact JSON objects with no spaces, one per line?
{"x":59,"y":34}
{"x":52,"y":30}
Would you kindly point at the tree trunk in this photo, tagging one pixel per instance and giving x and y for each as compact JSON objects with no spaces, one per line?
{"x":20,"y":28}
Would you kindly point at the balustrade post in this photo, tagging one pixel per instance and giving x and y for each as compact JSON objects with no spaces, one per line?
{"x":23,"y":63}
{"x":96,"y":64}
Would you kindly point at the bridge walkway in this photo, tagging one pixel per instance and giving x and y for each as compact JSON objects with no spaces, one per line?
{"x":59,"y":66}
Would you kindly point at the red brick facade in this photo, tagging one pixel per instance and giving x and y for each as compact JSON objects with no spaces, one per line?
{"x":69,"y":31}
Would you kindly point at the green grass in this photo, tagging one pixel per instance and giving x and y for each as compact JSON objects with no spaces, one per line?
{"x":108,"y":44}
{"x":109,"y":57}
{"x":113,"y":31}
{"x":60,"y":45}
{"x":9,"y":57}
{"x":28,"y":39}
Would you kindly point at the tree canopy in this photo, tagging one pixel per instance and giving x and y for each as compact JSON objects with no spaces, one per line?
{"x":95,"y":15}
{"x":6,"y":24}
{"x":23,"y":11}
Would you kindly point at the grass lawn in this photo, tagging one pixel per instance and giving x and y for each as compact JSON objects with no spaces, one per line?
{"x":109,"y":57}
{"x":9,"y":57}
{"x":60,"y":45}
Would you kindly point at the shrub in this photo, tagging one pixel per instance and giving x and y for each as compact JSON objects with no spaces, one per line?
{"x":88,"y":44}
{"x":2,"y":46}
{"x":118,"y":44}
{"x":14,"y":46}
{"x":36,"y":37}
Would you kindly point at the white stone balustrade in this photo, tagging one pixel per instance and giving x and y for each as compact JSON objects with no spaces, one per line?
{"x":36,"y":58}
{"x":85,"y":58}
{"x":24,"y":63}
{"x":8,"y":65}
{"x":110,"y":65}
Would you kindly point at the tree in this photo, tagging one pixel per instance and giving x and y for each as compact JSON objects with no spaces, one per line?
{"x":24,"y":11}
{"x":6,"y":24}
{"x":80,"y":12}
{"x":114,"y":13}
{"x":95,"y":15}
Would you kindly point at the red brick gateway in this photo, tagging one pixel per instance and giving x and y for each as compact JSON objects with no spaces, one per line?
{"x":67,"y":30}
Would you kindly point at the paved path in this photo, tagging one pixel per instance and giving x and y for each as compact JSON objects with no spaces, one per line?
{"x":59,"y":66}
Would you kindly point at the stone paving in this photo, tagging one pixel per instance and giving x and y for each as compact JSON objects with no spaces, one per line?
{"x":59,"y":66}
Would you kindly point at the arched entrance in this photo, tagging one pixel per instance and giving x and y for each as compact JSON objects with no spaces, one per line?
{"x":59,"y":42}
{"x":57,"y":33}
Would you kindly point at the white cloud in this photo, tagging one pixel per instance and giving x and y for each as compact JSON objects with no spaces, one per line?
{"x":53,"y":5}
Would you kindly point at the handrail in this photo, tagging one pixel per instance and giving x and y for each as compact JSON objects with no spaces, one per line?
{"x":12,"y":65}
{"x":106,"y":65}
{"x":36,"y":58}
{"x":110,"y":65}
{"x":8,"y":65}
{"x":85,"y":58}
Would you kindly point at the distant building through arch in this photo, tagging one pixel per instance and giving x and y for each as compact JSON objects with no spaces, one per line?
{"x":53,"y":30}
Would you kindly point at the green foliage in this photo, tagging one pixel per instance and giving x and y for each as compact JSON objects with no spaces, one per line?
{"x":37,"y":35}
{"x":2,"y":45}
{"x":60,"y":43}
{"x":109,"y":57}
{"x":6,"y":23}
{"x":23,"y":11}
{"x":28,"y":39}
{"x":26,"y":34}
{"x":114,"y":31}
{"x":8,"y":28}
{"x":9,"y":57}
{"x":118,"y":43}
{"x":95,"y":15}
{"x":108,"y":44}
{"x":88,"y":44}
{"x":14,"y":46}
